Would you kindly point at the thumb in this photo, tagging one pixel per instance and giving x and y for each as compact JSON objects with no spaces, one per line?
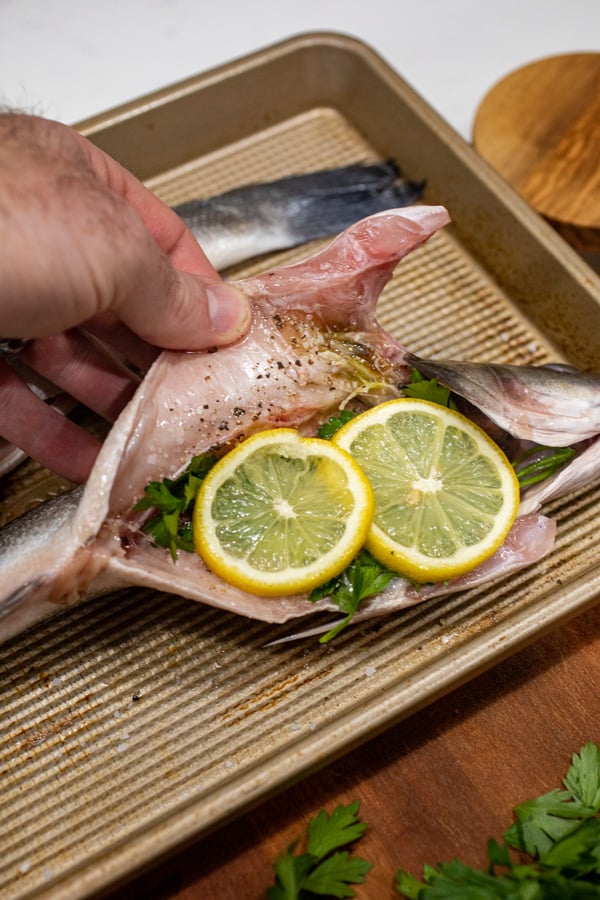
{"x":192,"y":314}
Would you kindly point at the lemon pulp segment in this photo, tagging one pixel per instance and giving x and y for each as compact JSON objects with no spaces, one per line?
{"x":445,"y":494}
{"x":281,"y":513}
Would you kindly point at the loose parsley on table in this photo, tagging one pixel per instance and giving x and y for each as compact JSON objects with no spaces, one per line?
{"x":323,"y":869}
{"x":558,"y":831}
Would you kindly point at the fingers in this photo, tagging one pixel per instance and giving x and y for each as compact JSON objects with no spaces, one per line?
{"x":42,"y":432}
{"x":185,"y":306}
{"x":190,"y":314}
{"x":84,"y":369}
{"x":113,"y":333}
{"x":168,"y":231}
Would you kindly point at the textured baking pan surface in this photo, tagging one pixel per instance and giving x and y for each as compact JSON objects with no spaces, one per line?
{"x":137,"y":721}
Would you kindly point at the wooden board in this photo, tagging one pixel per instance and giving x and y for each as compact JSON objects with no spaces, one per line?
{"x":540,"y":128}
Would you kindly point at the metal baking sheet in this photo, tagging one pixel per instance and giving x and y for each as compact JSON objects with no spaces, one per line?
{"x":140,"y":720}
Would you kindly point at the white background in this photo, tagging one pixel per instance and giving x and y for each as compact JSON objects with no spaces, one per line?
{"x":70,"y":59}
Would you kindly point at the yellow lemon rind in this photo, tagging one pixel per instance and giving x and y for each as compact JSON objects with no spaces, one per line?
{"x":235,"y":570}
{"x":408,"y":561}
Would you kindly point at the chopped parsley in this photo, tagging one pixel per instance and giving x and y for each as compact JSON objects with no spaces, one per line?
{"x":324,"y":869}
{"x":173,"y":502}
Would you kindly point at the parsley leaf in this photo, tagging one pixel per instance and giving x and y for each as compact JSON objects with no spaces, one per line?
{"x":330,"y":832}
{"x":559,"y":830}
{"x":362,"y":578}
{"x":334,"y":423}
{"x":422,"y":388}
{"x":324,"y":869}
{"x":549,"y":818}
{"x":173,"y":500}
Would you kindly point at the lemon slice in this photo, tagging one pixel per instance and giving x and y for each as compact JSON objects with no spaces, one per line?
{"x":281,"y":513}
{"x":445,"y":494}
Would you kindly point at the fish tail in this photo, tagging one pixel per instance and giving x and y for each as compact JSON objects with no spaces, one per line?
{"x":328,"y":201}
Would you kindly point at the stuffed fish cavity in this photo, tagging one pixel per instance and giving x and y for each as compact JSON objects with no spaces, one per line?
{"x":314,"y":346}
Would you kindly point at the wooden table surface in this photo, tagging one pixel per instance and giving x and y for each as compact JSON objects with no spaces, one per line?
{"x":433,"y":787}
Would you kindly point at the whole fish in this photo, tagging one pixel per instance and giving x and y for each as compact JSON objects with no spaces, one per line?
{"x":254,"y":219}
{"x":314,"y":346}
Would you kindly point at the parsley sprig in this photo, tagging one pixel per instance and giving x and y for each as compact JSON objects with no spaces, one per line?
{"x":362,"y":578}
{"x":422,"y":388}
{"x":173,"y":501}
{"x":559,"y":831}
{"x":324,"y":869}
{"x":327,"y":430}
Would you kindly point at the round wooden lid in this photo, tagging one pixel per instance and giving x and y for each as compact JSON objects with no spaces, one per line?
{"x":540,"y":128}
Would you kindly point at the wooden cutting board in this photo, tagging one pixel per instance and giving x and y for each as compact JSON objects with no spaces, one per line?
{"x":540,"y":128}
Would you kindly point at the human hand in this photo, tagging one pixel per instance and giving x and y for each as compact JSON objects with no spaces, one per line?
{"x":91,"y":261}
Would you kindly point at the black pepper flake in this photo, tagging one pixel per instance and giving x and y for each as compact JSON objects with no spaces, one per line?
{"x":280,"y":364}
{"x":137,"y":696}
{"x":238,"y":411}
{"x":278,"y":320}
{"x":224,"y":426}
{"x":212,"y":350}
{"x":298,"y":362}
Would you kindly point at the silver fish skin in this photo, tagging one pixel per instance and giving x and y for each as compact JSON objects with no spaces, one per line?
{"x":552,"y":405}
{"x":314,"y":343}
{"x":260,"y":218}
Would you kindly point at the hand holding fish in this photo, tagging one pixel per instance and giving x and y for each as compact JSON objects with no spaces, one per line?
{"x":90,"y":260}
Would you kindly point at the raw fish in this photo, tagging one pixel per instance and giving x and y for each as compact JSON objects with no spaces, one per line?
{"x":313,"y":347}
{"x":313,"y":344}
